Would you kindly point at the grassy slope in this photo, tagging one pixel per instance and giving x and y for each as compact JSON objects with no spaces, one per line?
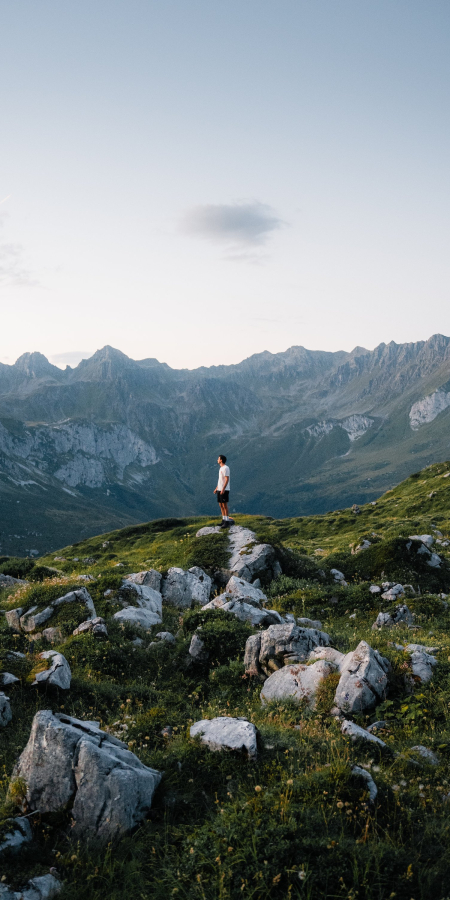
{"x":220,"y":826}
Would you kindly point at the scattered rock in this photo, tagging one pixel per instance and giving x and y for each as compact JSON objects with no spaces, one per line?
{"x":297,"y":682}
{"x":197,"y":649}
{"x":166,"y":636}
{"x":31,"y":620}
{"x":42,"y":887}
{"x":245,"y":611}
{"x":13,"y":618}
{"x":6,"y":678}
{"x":150,"y":578}
{"x":359,"y":772}
{"x":358,"y":734}
{"x":71,"y":762}
{"x":141,"y":595}
{"x":5,"y":710}
{"x":89,"y":561}
{"x":426,"y":539}
{"x":182,"y":588}
{"x":145,"y":618}
{"x":401,"y":615}
{"x":364,"y":545}
{"x":339,"y":577}
{"x":58,"y":675}
{"x":355,"y":509}
{"x":280,"y":646}
{"x":223,"y":733}
{"x":428,"y":755}
{"x":19,"y":835}
{"x":9,"y":581}
{"x":243,"y":590}
{"x":309,"y":623}
{"x":363,"y":682}
{"x":209,"y":529}
{"x":422,"y":665}
{"x":376,"y":726}
{"x":374,"y":589}
{"x":394,"y":591}
{"x":95,"y":626}
{"x":53,"y":635}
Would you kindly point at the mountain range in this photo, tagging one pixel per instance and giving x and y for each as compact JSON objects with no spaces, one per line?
{"x":116,"y":441}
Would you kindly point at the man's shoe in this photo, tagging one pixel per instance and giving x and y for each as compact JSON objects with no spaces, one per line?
{"x":224,"y":525}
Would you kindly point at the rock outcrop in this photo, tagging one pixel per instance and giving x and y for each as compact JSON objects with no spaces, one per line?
{"x":223,"y":733}
{"x":296,"y":682}
{"x":181,"y":588}
{"x":363,"y":681}
{"x":71,"y":762}
{"x":280,"y":646}
{"x":58,"y":674}
{"x":249,"y":559}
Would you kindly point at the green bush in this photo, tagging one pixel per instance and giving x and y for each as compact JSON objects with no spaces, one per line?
{"x":210,"y":552}
{"x":16,"y":566}
{"x":391,"y":560}
{"x":223,"y":634}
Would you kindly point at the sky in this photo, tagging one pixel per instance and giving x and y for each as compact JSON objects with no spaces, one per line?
{"x":200,"y":181}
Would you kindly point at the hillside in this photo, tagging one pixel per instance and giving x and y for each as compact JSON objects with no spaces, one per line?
{"x":117,"y":441}
{"x":292,"y":817}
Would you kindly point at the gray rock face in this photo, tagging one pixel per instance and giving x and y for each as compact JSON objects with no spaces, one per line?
{"x":150,"y":578}
{"x":69,"y":761}
{"x":81,"y":595}
{"x":329,"y":653}
{"x":32,"y":619}
{"x":297,"y":682}
{"x":5,"y":710}
{"x":245,"y":611}
{"x":428,"y":755}
{"x":359,"y":772}
{"x":209,"y":529}
{"x":42,"y":887}
{"x":338,"y":576}
{"x":53,"y":635}
{"x":248,"y":558}
{"x":394,"y":591}
{"x":15,"y":839}
{"x":401,"y":615}
{"x":223,"y":733}
{"x":95,"y":626}
{"x":181,"y":588}
{"x":197,"y":649}
{"x":13,"y":618}
{"x":142,"y":595}
{"x":358,"y":734}
{"x":280,"y":646}
{"x":166,"y":636}
{"x":9,"y":581}
{"x":7,"y":678}
{"x":422,"y":665}
{"x":363,"y":682}
{"x":243,"y":590}
{"x":145,"y":618}
{"x":59,"y":674}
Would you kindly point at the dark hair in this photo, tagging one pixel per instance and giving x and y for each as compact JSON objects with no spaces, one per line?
{"x":222,"y":457}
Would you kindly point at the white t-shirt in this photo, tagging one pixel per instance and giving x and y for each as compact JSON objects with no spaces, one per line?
{"x":223,"y":472}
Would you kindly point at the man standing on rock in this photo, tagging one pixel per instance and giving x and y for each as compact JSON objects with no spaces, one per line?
{"x":223,"y":491}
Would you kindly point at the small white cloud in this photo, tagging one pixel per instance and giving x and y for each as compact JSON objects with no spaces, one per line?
{"x":70,"y":357}
{"x":235,"y":224}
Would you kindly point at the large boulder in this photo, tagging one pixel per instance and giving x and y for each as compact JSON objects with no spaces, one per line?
{"x":363,"y":682}
{"x":181,"y":588}
{"x":401,"y":615}
{"x":243,"y":590}
{"x":248,"y":558}
{"x":95,"y":627}
{"x":71,"y":763}
{"x":280,"y":646}
{"x":5,"y":710}
{"x":223,"y":733}
{"x":245,"y":610}
{"x":149,"y":578}
{"x":8,"y":581}
{"x":13,"y":618}
{"x":422,"y":665}
{"x":140,"y":595}
{"x":296,"y":682}
{"x":58,"y":674}
{"x":144,"y":618}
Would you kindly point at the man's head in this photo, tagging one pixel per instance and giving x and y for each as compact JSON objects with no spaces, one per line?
{"x":222,"y":460}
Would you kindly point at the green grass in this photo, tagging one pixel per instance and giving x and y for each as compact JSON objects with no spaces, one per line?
{"x":293,"y":824}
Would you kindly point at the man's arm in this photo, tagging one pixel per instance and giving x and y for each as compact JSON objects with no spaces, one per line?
{"x":224,"y":487}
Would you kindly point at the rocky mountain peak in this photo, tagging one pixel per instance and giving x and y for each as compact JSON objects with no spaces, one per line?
{"x":35,"y":365}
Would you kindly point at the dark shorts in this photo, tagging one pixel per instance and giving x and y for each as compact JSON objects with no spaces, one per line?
{"x":223,"y":497}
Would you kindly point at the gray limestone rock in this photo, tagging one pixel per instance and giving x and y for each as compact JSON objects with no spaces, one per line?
{"x":59,"y":674}
{"x":95,"y":626}
{"x":150,"y":578}
{"x":279,"y":646}
{"x":401,"y":615}
{"x":197,"y":649}
{"x":426,"y":539}
{"x":339,"y":577}
{"x":363,"y":681}
{"x":166,"y":636}
{"x":140,"y":595}
{"x":248,"y":558}
{"x":209,"y":529}
{"x":5,"y":710}
{"x":13,"y":618}
{"x":358,"y":734}
{"x":42,"y":887}
{"x":81,"y":595}
{"x":53,"y":635}
{"x":374,"y":589}
{"x":359,"y":772}
{"x":7,"y":678}
{"x":223,"y":733}
{"x":31,"y":620}
{"x":67,"y":761}
{"x":145,"y":618}
{"x":9,"y":581}
{"x":19,"y":835}
{"x":181,"y":588}
{"x":297,"y":682}
{"x":309,"y":623}
{"x":243,"y":610}
{"x":393,"y":592}
{"x":422,"y":665}
{"x":243,"y":590}
{"x":329,"y":653}
{"x":428,"y":755}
